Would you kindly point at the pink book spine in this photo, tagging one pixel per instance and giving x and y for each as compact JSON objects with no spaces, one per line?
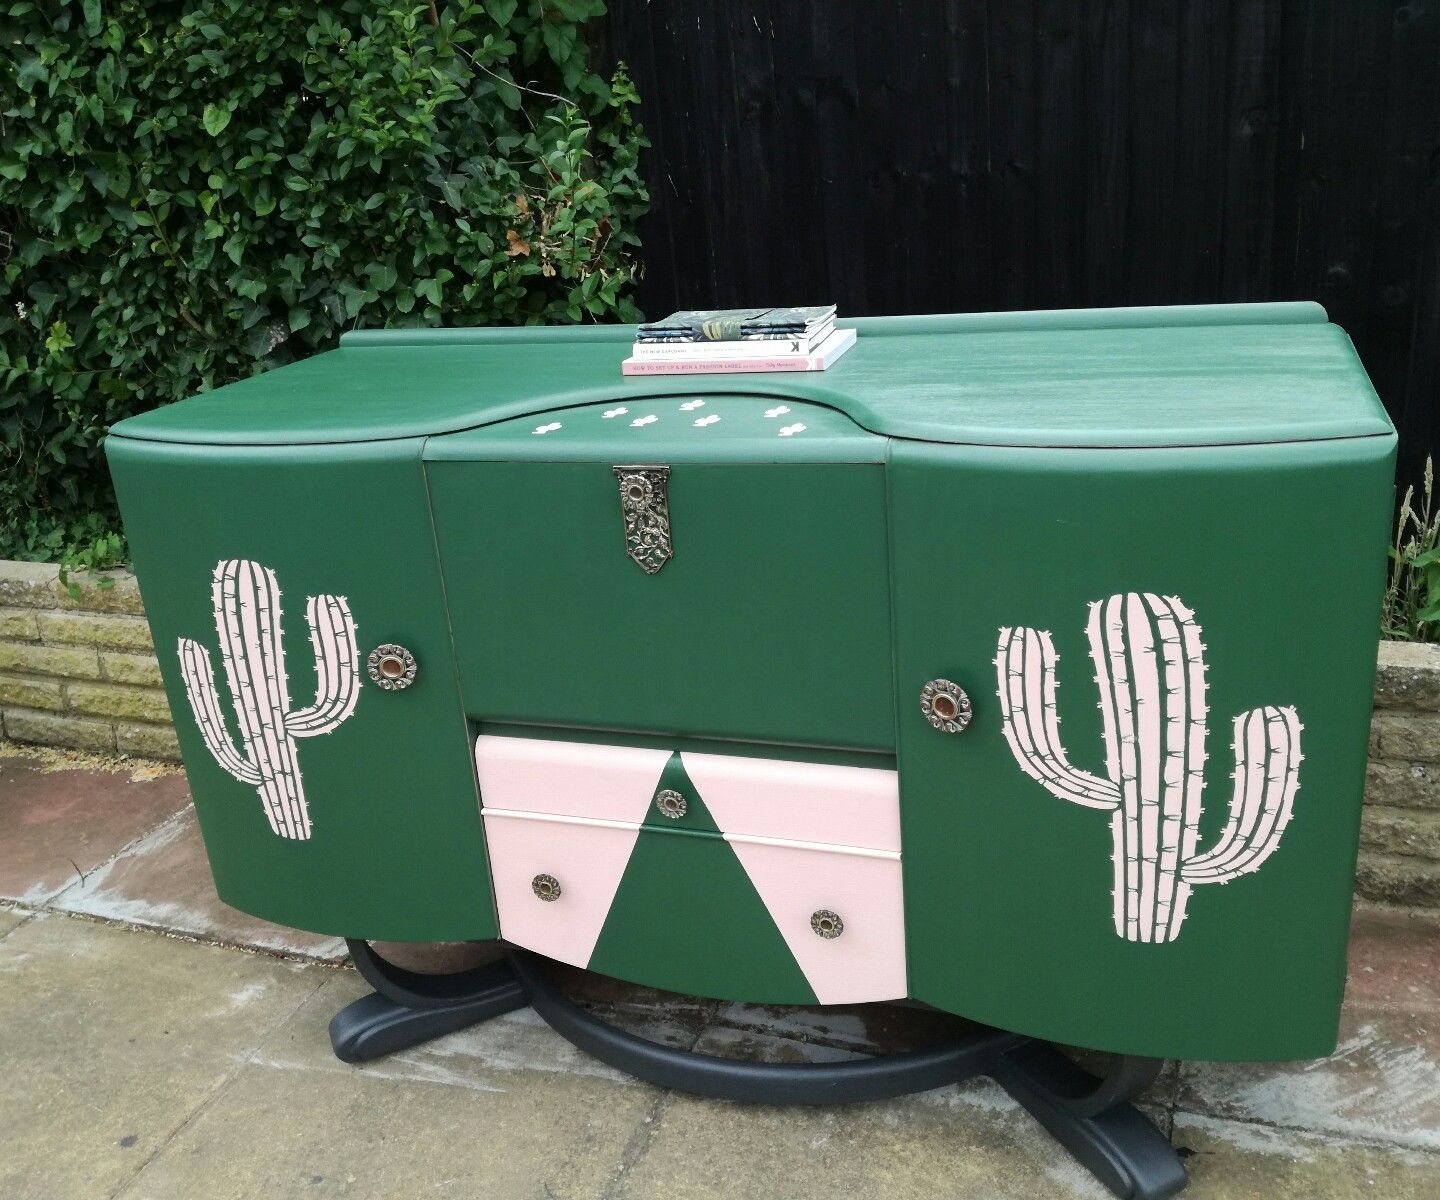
{"x":720,"y":366}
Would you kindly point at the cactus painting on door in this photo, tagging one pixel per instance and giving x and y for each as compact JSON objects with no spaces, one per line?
{"x":326,"y":802}
{"x":1150,"y":671}
{"x":248,"y":623}
{"x":1170,"y":686}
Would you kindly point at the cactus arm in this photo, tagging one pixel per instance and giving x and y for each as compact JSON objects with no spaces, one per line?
{"x":1267,"y":769}
{"x":1025,"y":669}
{"x":199,"y":679}
{"x":337,"y":668}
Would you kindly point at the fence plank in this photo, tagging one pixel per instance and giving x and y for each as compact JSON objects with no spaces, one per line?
{"x":959,"y":155}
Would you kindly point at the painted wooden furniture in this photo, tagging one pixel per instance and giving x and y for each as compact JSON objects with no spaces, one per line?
{"x":1019,"y":664}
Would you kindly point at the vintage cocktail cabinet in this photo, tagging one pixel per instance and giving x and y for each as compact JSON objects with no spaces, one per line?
{"x":1019,"y":664}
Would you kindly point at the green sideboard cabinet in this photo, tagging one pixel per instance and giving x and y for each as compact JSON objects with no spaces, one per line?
{"x":1018,"y":664}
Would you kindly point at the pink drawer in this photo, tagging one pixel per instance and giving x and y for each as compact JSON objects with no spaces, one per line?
{"x":580,"y":865}
{"x":760,"y":797}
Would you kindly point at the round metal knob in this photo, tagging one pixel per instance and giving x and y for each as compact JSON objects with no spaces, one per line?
{"x":671,"y":804}
{"x":826,"y":923}
{"x":547,"y":887}
{"x":391,"y":667}
{"x":945,"y":705}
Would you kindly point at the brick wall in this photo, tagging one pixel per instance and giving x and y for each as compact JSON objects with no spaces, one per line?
{"x":1400,"y":830}
{"x":79,"y":673}
{"x":82,"y":673}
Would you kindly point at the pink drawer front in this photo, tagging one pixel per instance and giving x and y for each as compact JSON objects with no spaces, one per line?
{"x":588,"y":860}
{"x":760,"y":797}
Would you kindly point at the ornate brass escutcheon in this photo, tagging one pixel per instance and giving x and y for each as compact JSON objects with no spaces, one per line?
{"x":645,"y":505}
{"x":945,"y":705}
{"x":391,"y":667}
{"x":671,"y":804}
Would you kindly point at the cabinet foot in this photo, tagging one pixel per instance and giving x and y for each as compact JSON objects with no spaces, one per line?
{"x":1091,"y":1118}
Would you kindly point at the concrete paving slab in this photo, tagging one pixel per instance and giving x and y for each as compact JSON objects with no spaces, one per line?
{"x":481,"y":1058}
{"x":113,"y":1038}
{"x":60,"y":825}
{"x":163,"y":880}
{"x":283,"y":1134}
{"x":1394,"y":961}
{"x":1382,"y":1084}
{"x":964,"y":1142}
{"x":1229,"y":1160}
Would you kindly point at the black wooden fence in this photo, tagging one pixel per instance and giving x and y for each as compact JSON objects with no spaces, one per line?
{"x":903,"y":156}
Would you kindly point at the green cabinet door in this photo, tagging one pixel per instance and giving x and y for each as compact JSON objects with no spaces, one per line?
{"x":269,"y":574}
{"x":769,"y":621}
{"x":1145,"y":840}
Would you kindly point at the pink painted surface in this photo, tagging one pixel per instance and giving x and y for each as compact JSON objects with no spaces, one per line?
{"x":587,"y":860}
{"x":867,"y":960}
{"x":568,"y":779}
{"x":798,"y":801}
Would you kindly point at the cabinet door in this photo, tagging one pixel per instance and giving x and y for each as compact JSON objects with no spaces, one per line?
{"x":326,"y":802}
{"x":1147,"y":844}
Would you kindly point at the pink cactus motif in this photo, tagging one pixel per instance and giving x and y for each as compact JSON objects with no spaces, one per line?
{"x":1150,"y":670}
{"x":246,"y":600}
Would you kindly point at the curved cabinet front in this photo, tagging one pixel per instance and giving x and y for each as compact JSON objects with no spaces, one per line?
{"x":1144,"y":842}
{"x":327,"y":801}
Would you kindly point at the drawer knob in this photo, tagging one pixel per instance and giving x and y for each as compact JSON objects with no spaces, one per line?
{"x":547,"y":887}
{"x":945,"y":705}
{"x":671,"y":804}
{"x":391,"y":667}
{"x":826,"y":923}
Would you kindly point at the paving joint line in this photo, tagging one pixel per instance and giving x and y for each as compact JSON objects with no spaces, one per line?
{"x":179,"y":935}
{"x":1373,"y":1141}
{"x":82,"y":876}
{"x":248,"y":1059}
{"x":640,"y":1141}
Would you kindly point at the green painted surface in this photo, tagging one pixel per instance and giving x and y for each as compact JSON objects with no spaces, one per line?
{"x":771,"y":622}
{"x":1063,"y":383}
{"x":687,"y":919}
{"x":1279,"y":550}
{"x":1236,"y":458}
{"x":709,"y":428}
{"x":396,"y":851}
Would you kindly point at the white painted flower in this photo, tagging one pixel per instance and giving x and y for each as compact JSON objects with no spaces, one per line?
{"x":550,"y":428}
{"x":650,"y":420}
{"x":791,"y":430}
{"x":778,"y":411}
{"x":704,"y":421}
{"x":692,"y":405}
{"x":614,"y":412}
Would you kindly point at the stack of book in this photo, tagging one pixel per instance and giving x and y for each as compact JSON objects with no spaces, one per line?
{"x":733,"y":340}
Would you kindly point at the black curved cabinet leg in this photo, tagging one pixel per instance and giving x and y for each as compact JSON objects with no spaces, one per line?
{"x":1092,"y":1118}
{"x":1117,"y":1144}
{"x":408,"y":1008}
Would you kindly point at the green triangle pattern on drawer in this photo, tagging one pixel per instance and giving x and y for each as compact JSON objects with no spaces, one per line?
{"x":697,"y":818}
{"x":686,"y":917}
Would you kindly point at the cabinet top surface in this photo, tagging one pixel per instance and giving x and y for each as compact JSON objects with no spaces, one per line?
{"x":1195,"y":376}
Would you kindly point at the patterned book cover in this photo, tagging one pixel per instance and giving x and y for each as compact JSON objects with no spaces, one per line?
{"x":735,"y":324}
{"x":825,"y":356}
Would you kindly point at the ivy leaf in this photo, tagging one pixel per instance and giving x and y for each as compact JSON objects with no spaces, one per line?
{"x":215,"y":119}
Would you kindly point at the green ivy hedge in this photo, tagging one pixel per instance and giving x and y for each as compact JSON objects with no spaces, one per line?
{"x":193,"y":192}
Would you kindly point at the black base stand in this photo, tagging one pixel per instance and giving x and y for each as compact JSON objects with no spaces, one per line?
{"x":1091,"y":1118}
